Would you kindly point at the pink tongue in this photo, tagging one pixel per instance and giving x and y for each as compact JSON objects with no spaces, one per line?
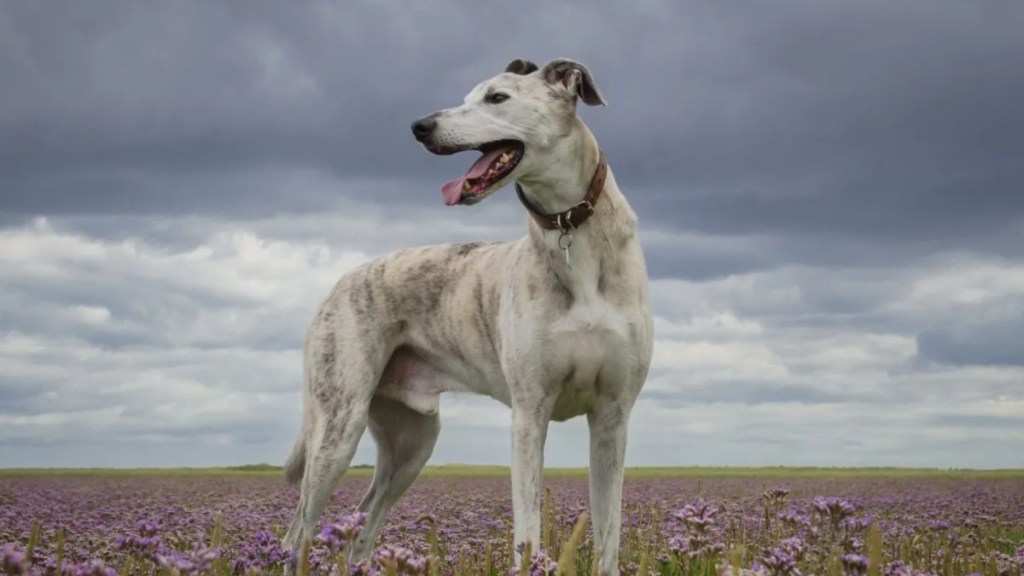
{"x":451,"y":190}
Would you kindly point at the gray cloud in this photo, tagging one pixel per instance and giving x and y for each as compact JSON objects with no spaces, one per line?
{"x":970,"y":342}
{"x":1013,"y":423}
{"x":749,"y":393}
{"x":163,"y":342}
{"x":830,"y":198}
{"x":760,"y":120}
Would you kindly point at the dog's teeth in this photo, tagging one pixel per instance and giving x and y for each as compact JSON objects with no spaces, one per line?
{"x":466,"y":186}
{"x":505,"y":158}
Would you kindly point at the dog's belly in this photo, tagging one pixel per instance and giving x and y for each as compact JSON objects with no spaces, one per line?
{"x":416,"y":382}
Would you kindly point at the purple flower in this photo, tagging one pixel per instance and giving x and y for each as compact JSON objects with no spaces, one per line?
{"x":854,"y":564}
{"x":794,"y":518}
{"x":13,"y":561}
{"x":697,"y":539}
{"x":263,"y":552}
{"x":726,"y":570}
{"x":775,"y":495}
{"x":782,"y":560}
{"x":1010,"y":565}
{"x":693,"y":546}
{"x":540,"y":565}
{"x":145,"y":542}
{"x":925,"y":520}
{"x":338,"y":535}
{"x":196,"y":561}
{"x":898,"y":568}
{"x":777,"y":563}
{"x":857,"y":524}
{"x":90,"y":568}
{"x":833,"y":508}
{"x":700,"y":515}
{"x":405,"y":561}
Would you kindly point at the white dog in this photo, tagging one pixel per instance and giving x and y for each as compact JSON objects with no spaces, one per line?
{"x":555,"y":324}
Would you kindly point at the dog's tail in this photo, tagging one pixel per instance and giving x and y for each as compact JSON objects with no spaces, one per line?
{"x":296,"y":463}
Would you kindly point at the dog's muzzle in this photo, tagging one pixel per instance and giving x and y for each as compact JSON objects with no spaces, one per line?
{"x":423,"y":128}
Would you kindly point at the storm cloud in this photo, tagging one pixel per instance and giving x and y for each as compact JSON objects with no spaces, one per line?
{"x":831,"y":199}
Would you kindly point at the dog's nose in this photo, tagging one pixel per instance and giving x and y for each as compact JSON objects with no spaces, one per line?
{"x":423,"y":127}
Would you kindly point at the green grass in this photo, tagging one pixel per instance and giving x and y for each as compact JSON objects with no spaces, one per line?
{"x":465,"y":470}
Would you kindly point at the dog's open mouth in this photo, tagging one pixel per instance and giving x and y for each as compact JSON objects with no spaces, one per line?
{"x":499,"y":159}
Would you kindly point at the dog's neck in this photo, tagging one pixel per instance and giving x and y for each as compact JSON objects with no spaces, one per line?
{"x":578,"y":214}
{"x":597,"y":241}
{"x":567,"y":168}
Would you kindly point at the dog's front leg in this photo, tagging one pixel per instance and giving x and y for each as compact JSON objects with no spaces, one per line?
{"x":608,"y":423}
{"x":529,"y":431}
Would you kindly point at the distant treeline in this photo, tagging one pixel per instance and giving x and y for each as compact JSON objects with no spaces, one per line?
{"x":264,"y":467}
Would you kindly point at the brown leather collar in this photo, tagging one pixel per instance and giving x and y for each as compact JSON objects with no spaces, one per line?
{"x":573,"y":217}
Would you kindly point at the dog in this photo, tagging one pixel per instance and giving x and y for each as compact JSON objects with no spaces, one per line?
{"x":555,"y":325}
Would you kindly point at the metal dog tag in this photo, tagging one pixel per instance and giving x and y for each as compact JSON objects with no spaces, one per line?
{"x":564,"y":242}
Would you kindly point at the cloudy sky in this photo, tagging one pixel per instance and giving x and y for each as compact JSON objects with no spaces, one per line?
{"x":830,"y":192}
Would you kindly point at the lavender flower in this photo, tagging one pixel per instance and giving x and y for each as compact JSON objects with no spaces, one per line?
{"x":697,"y":516}
{"x":144,"y":525}
{"x":698,"y":538}
{"x":835,"y":509}
{"x":13,"y":561}
{"x":794,"y":519}
{"x":726,"y":570}
{"x":898,"y":568}
{"x":403,"y":560}
{"x":198,"y":560}
{"x":146,"y":542}
{"x":338,"y":535}
{"x":782,"y":560}
{"x":854,"y":564}
{"x":856,"y":524}
{"x":540,"y":565}
{"x":1010,"y":565}
{"x":90,"y":568}
{"x":775,"y":496}
{"x":261,"y":553}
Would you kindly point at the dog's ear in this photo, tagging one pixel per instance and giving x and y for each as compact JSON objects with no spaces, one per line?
{"x":519,"y":66}
{"x":575,"y":78}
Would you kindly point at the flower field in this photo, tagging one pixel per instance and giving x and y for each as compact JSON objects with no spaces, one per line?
{"x":231,"y":523}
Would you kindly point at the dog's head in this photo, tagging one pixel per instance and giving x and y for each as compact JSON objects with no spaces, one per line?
{"x":513,"y":119}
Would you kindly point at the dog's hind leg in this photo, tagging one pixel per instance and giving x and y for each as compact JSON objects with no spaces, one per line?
{"x":334,"y":442}
{"x":405,"y":440}
{"x":340,"y":390}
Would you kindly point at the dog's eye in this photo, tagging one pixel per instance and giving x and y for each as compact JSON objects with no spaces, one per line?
{"x":496,"y":98}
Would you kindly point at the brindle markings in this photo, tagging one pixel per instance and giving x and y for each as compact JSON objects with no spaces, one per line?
{"x":328,"y":357}
{"x":431,"y":280}
{"x":466,"y":248}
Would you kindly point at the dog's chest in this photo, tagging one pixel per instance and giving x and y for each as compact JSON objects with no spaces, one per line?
{"x":588,"y":346}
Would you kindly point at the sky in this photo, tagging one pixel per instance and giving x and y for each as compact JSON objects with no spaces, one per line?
{"x":830,"y":195}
